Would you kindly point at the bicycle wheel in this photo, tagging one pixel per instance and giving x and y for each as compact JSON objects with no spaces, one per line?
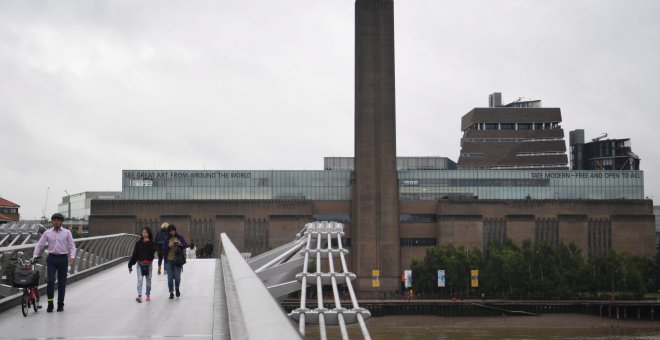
{"x":35,"y":301}
{"x":25,"y":302}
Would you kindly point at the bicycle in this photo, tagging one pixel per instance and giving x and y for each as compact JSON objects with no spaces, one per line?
{"x":27,"y":278}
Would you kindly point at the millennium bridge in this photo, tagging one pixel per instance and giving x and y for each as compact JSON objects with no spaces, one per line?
{"x":226,"y":298}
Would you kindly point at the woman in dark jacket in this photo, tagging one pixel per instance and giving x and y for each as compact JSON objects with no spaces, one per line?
{"x":171,"y":245}
{"x":143,"y":255}
{"x":160,"y":237}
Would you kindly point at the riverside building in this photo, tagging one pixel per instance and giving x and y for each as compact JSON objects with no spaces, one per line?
{"x":599,"y":211}
{"x":394,"y":209}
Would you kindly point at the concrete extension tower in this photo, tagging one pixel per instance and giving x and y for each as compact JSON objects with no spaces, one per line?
{"x":375,"y":205}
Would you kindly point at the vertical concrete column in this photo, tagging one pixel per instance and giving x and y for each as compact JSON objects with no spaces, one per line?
{"x":574,"y":228}
{"x":634,"y":234}
{"x":520,"y":228}
{"x":375,"y":210}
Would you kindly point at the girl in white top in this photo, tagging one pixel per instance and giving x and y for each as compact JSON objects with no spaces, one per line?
{"x":190,"y":252}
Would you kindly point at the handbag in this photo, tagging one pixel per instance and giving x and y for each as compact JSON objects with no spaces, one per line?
{"x":179,"y":257}
{"x":145,"y":269}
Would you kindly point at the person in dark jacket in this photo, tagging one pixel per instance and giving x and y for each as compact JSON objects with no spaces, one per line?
{"x":171,"y":245}
{"x":208,"y":250}
{"x":143,"y":255}
{"x":160,"y":237}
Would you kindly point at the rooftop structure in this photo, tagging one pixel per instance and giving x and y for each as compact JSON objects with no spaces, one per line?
{"x":601,"y":153}
{"x":402,"y":163}
{"x":519,"y":135}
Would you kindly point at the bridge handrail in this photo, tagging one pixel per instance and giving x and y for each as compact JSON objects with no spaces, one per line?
{"x":257,"y":315}
{"x":90,"y":252}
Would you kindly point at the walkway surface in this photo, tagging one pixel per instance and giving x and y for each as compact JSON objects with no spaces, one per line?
{"x":103,"y":306}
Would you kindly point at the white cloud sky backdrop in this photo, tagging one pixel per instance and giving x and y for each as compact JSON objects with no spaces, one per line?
{"x":88,"y":88}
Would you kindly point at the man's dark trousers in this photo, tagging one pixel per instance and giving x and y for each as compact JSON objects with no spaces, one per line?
{"x":57,"y":263}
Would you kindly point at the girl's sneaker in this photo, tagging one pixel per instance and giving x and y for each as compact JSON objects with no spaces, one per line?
{"x":148,"y":298}
{"x":139,"y":299}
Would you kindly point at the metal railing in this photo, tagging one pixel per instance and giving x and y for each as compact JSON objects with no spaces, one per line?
{"x":319,"y":247}
{"x":20,"y":233}
{"x":286,"y":269}
{"x":254,"y":313}
{"x":91,"y":252}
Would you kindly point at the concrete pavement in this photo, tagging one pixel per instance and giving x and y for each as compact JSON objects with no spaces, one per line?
{"x":103,"y":306}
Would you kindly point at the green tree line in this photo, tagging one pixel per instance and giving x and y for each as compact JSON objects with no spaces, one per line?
{"x":534,"y":271}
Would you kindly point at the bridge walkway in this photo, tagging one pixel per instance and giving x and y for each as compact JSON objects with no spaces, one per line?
{"x":103,"y":306}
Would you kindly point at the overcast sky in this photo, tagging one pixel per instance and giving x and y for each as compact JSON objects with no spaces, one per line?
{"x":88,"y":88}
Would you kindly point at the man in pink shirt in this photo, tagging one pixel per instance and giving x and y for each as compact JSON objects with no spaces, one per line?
{"x":61,"y":253}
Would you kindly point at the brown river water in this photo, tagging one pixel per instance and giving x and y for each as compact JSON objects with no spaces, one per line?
{"x":548,"y":326}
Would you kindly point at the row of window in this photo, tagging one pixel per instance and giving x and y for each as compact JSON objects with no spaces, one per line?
{"x":544,"y":153}
{"x":511,"y":140}
{"x":414,"y":184}
{"x":403,"y":218}
{"x":477,"y":182}
{"x":417,"y":218}
{"x":341,"y":218}
{"x":237,"y":178}
{"x":515,"y":126}
{"x":418,"y":242}
{"x":9,"y":210}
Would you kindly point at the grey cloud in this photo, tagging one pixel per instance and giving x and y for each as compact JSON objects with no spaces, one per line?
{"x":102,"y":86}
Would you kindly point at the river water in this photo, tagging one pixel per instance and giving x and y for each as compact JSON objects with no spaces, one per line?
{"x":549,"y":326}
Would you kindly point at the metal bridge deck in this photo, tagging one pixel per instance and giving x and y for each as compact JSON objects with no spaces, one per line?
{"x":103,"y":306}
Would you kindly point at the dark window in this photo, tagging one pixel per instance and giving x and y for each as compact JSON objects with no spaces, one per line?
{"x":333,"y":218}
{"x":417,"y":218}
{"x":345,"y":242}
{"x":507,"y":126}
{"x":491,"y":126}
{"x":524,"y":126}
{"x":417,"y":242}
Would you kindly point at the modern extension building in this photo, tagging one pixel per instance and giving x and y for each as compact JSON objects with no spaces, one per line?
{"x":78,"y":206}
{"x":601,"y":154}
{"x":521,"y":135}
{"x":76,"y":209}
{"x":512,"y":183}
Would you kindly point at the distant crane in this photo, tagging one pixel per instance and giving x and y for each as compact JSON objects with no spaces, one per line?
{"x":600,"y":137}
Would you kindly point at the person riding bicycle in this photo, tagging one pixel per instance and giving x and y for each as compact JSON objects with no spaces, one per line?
{"x":61,"y":253}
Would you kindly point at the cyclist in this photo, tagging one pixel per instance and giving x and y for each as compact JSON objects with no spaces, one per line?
{"x":61,"y":253}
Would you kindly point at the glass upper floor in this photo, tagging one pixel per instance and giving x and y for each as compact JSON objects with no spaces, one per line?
{"x":413,"y":184}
